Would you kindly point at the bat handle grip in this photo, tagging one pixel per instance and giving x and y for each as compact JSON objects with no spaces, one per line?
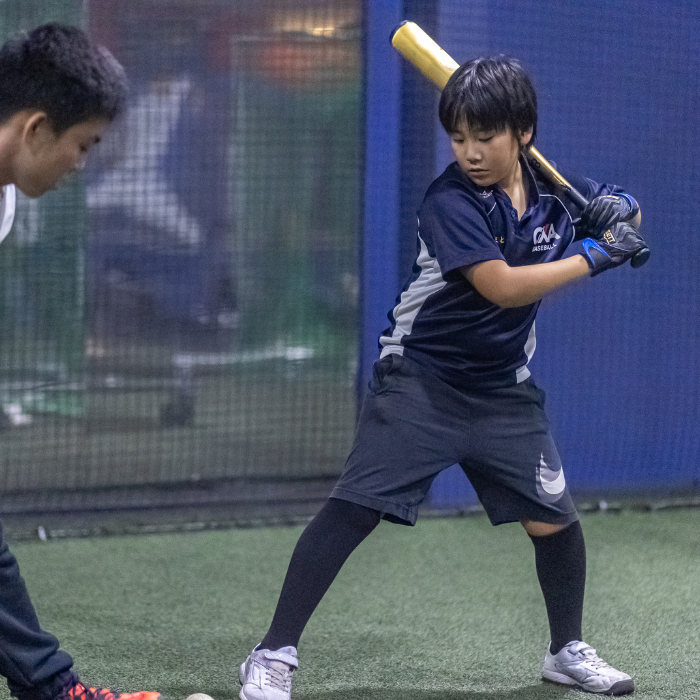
{"x":576,"y":197}
{"x":540,"y":163}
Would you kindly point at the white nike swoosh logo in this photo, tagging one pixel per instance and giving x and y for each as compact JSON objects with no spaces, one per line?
{"x":552,"y":482}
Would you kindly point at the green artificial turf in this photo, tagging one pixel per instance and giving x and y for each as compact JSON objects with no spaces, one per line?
{"x":447,"y":610}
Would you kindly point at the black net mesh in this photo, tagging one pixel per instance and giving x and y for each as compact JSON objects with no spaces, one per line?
{"x":184,"y":316}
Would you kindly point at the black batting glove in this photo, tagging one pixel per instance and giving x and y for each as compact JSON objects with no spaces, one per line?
{"x":605,"y":211}
{"x":617,"y":245}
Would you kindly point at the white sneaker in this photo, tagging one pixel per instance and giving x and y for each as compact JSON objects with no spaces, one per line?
{"x":267,"y":675}
{"x":578,"y":664}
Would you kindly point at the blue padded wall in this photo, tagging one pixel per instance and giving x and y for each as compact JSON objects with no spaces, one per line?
{"x":619,"y":86}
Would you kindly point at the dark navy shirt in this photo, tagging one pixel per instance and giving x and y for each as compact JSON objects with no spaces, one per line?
{"x":440,"y":320}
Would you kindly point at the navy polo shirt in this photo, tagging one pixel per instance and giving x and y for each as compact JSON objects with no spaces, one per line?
{"x":440,"y":320}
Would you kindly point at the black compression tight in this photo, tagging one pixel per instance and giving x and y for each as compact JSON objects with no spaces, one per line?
{"x":561,"y":568}
{"x":339,"y":528}
{"x":321,"y":551}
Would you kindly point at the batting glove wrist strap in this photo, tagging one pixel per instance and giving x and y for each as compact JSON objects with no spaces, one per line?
{"x":618,"y":244}
{"x":634,"y":207}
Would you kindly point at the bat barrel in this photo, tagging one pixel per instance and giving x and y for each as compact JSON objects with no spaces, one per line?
{"x":420,"y":50}
{"x":396,"y":29}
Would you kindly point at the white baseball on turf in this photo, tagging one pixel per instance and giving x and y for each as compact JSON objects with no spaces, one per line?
{"x":200,"y":696}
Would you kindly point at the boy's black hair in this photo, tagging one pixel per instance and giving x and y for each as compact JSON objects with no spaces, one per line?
{"x":490,"y":94}
{"x":55,"y":68}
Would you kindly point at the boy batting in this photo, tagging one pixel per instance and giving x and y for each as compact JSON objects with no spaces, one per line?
{"x":452,"y":384}
{"x":58,"y":94}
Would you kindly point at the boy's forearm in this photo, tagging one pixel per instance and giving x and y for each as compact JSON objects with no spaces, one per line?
{"x":518,"y":286}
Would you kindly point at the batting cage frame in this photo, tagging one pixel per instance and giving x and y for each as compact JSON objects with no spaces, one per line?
{"x":187,"y":330}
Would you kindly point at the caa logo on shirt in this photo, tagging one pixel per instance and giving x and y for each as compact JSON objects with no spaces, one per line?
{"x":543,"y":237}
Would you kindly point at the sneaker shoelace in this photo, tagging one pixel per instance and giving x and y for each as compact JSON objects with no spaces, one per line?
{"x":591,"y":658}
{"x":278,"y":675}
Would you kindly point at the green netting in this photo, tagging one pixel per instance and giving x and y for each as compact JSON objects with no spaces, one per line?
{"x":184,"y":317}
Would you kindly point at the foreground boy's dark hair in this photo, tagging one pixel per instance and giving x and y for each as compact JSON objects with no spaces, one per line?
{"x":56,"y":69}
{"x":490,"y":94}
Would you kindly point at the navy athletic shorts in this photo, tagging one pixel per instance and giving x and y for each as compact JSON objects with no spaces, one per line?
{"x":413,"y":425}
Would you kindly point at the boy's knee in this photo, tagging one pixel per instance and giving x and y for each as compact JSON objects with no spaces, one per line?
{"x":539,"y":529}
{"x":366,"y":518}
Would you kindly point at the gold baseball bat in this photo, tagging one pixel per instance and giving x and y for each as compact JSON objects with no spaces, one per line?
{"x":437,"y":65}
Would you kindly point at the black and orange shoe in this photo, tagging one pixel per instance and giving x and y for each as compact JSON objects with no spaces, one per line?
{"x":77,"y":691}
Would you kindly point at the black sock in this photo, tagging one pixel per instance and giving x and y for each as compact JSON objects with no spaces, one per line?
{"x":321,"y":551}
{"x":561,"y":569}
